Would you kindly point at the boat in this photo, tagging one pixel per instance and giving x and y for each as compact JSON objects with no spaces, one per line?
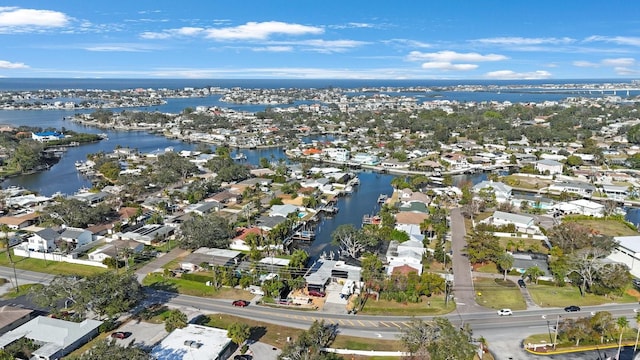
{"x":240,"y":156}
{"x":348,"y":189}
{"x":382,"y":198}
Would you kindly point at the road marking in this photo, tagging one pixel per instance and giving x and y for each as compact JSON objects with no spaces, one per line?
{"x":361,"y":323}
{"x":385,"y":324}
{"x":394,"y":324}
{"x":406,"y":324}
{"x":373,"y":324}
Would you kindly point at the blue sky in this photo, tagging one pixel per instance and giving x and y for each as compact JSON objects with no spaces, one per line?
{"x":328,"y":39}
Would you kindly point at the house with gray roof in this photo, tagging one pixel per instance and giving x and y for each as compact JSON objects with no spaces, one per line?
{"x":269,"y":222}
{"x":76,"y":236}
{"x":43,"y":240}
{"x":523,"y":223}
{"x":547,"y":166}
{"x":501,"y":190}
{"x":576,"y":187}
{"x":55,"y":337}
{"x":283,"y":210}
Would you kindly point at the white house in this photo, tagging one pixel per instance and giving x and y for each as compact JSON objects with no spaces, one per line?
{"x":627,"y":252}
{"x":548,"y":166}
{"x":55,"y":338}
{"x":336,"y":154}
{"x":523,"y":223}
{"x":576,"y":187}
{"x":501,"y":190}
{"x":589,"y":208}
{"x":195,"y":342}
{"x":43,"y":240}
{"x":407,"y":253}
{"x":47,"y":136}
{"x":365,"y":159}
{"x":76,"y":236}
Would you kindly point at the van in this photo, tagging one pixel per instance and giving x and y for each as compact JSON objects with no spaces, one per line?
{"x":256,"y":290}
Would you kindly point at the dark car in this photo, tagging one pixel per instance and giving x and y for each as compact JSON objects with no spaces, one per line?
{"x":521,"y":283}
{"x":316,"y":293}
{"x":572,"y":308}
{"x":242,"y":357}
{"x":240,"y":303}
{"x":120,"y":335}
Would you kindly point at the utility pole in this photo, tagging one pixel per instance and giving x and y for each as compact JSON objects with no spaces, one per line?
{"x":555,"y":337}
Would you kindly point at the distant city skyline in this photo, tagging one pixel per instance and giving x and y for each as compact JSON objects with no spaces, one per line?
{"x":456,"y":39}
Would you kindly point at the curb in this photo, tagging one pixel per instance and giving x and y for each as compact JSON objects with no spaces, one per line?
{"x":581,"y":349}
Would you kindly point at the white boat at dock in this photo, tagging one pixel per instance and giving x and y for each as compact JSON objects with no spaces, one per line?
{"x":382,"y":198}
{"x":240,"y":157}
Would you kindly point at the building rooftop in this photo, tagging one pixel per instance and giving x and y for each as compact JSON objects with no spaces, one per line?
{"x":194,"y":342}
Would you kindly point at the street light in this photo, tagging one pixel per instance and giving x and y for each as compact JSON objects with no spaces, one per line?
{"x":548,"y":327}
{"x":555,"y":337}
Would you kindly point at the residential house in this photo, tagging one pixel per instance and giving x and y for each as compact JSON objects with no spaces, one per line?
{"x":194,"y":342}
{"x":114,"y":248}
{"x":523,"y":223}
{"x":408,"y":253}
{"x":55,"y":338}
{"x":239,"y":242}
{"x":76,"y":236}
{"x":501,"y":190}
{"x":615,"y":192}
{"x":20,"y":221}
{"x":627,"y":252}
{"x":202,"y":208}
{"x":11,"y":317}
{"x":576,"y":187}
{"x":365,"y":159}
{"x":46,"y":136}
{"x":148,"y":234}
{"x":410,"y":218}
{"x":92,"y":198}
{"x":323,"y":271}
{"x":283,"y":210}
{"x":43,"y":240}
{"x":456,"y":161}
{"x":548,"y":166}
{"x":211,"y":257}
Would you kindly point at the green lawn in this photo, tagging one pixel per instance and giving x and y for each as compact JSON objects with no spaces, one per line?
{"x":276,"y":335}
{"x":607,"y":227}
{"x":496,"y":294}
{"x":390,"y":307}
{"x":553,"y":296}
{"x":50,"y":267}
{"x":194,"y":288}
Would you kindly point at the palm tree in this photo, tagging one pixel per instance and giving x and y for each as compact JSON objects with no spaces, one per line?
{"x":239,"y":332}
{"x":622,"y":324}
{"x":505,"y":262}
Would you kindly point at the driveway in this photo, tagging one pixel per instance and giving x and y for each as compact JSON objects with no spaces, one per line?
{"x":159,"y":262}
{"x":463,"y":291}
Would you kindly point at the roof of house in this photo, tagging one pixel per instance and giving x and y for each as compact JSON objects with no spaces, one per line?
{"x":404,"y":269}
{"x":513,"y":218}
{"x":11,"y":314}
{"x":496,"y":185}
{"x":629,"y":242}
{"x":194,"y":342}
{"x":548,"y":162}
{"x":55,"y":334}
{"x":410,"y":217}
{"x":17,"y":220}
{"x":48,"y":234}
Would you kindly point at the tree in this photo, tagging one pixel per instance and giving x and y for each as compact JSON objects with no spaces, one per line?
{"x":105,"y":349}
{"x":622,"y":324}
{"x":239,"y":332}
{"x":299,"y":259}
{"x":483,"y":246}
{"x":437,"y":339}
{"x":309,"y":345}
{"x":533,"y":273}
{"x":210,"y":230}
{"x":105,"y":293}
{"x":175,"y":319}
{"x":350,"y":240}
{"x":505,"y":262}
{"x":5,"y":230}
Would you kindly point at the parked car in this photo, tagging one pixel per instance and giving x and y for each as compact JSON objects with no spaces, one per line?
{"x":240,"y":303}
{"x":242,"y":357}
{"x":120,"y":335}
{"x":505,"y":312}
{"x":572,"y":308}
{"x":317,"y":293}
{"x":521,"y":283}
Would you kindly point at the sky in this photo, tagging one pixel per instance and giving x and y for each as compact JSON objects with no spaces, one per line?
{"x":327,"y":39}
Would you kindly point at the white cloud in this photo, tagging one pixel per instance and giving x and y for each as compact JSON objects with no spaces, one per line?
{"x":407,"y":43}
{"x":329,"y":46}
{"x":274,"y":49}
{"x":15,"y":17}
{"x":626,"y":71}
{"x":582,"y":63}
{"x":120,"y":48}
{"x":447,"y":66}
{"x":261,"y":31}
{"x":169,"y":33}
{"x":452,"y":56}
{"x":512,"y":75}
{"x":11,"y":65}
{"x":620,"y":62}
{"x":518,"y":41}
{"x":620,"y":40}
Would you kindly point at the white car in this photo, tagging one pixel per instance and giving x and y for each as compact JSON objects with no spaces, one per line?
{"x":505,"y":312}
